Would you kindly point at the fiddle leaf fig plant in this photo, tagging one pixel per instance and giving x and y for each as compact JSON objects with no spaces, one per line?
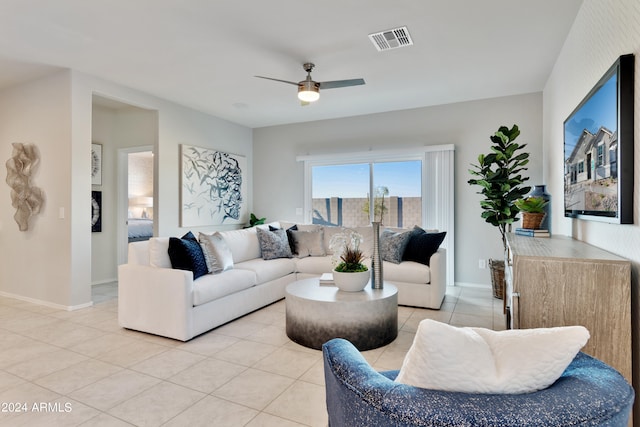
{"x":499,"y":175}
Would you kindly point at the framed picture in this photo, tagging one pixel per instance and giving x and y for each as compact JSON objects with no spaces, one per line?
{"x":598,"y":149}
{"x":212,"y":191}
{"x":96,"y":164}
{"x":96,"y":211}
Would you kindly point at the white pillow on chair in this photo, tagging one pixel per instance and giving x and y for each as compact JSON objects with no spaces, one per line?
{"x":478,"y":360}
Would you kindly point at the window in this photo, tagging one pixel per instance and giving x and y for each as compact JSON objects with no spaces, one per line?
{"x":417,"y":186}
{"x":341,"y":193}
{"x":600,"y":160}
{"x":613,"y":161}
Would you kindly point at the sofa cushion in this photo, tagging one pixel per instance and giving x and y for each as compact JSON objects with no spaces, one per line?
{"x":314,"y":265}
{"x":243,"y":244}
{"x":478,"y":360}
{"x":366,"y":245}
{"x":422,"y":245}
{"x":274,"y":244}
{"x":216,"y":252}
{"x":393,"y":244}
{"x":267,"y":270}
{"x":159,"y":252}
{"x":329,"y":232}
{"x":214,"y":286}
{"x":138,"y":253}
{"x":406,"y":271}
{"x":307,"y":243}
{"x":186,"y":254}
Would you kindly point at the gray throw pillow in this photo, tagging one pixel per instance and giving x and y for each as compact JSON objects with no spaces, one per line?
{"x":392,"y":245}
{"x":274,"y":244}
{"x":308,"y":243}
{"x":216,"y":252}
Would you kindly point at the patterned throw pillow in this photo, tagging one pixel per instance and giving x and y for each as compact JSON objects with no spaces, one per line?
{"x":392,"y":245}
{"x":274,"y":244}
{"x":292,"y":244}
{"x":422,"y":245}
{"x":186,"y":254}
{"x":216,"y":252}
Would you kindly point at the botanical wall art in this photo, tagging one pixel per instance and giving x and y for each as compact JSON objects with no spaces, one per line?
{"x":25,"y":197}
{"x":212,"y":188}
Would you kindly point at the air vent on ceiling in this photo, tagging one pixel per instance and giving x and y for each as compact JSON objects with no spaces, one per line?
{"x":391,"y":39}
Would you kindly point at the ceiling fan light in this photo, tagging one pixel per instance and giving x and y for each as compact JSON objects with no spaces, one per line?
{"x":308,"y":92}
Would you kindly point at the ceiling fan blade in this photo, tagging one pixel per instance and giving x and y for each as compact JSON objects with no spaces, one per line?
{"x":341,"y":83}
{"x":277,"y":80}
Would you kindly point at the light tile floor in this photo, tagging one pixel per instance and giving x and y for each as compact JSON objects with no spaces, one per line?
{"x":79,"y":368}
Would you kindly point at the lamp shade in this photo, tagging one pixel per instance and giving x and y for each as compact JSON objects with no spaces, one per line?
{"x":308,"y":91}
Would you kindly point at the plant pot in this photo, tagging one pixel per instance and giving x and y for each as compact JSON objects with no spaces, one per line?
{"x":351,"y":282}
{"x":497,"y":278}
{"x":532,"y":220}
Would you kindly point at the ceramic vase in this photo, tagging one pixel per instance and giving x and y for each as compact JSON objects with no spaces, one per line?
{"x":376,"y":258}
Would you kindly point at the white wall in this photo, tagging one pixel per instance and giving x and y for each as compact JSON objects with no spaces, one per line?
{"x":36,"y":264}
{"x":115,"y":128}
{"x":51,"y":263}
{"x":602,"y":31}
{"x":173,"y":126}
{"x":103,"y":244}
{"x":278,"y":184}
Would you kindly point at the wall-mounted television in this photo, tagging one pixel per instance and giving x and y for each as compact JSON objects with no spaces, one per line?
{"x":598,"y":149}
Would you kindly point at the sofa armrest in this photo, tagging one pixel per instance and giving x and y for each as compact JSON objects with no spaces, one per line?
{"x":438,"y":266}
{"x":155,"y":300}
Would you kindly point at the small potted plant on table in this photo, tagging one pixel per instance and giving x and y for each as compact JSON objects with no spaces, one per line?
{"x":349,"y":273}
{"x":532,"y":209}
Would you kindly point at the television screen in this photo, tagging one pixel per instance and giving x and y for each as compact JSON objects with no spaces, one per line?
{"x":598,"y":149}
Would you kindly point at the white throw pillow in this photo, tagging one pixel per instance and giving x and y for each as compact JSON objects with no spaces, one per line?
{"x":159,"y":252}
{"x":478,"y":360}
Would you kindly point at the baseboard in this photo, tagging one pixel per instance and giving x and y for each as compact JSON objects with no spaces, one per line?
{"x":104,"y":282}
{"x":46,"y":303}
{"x":473,"y":285}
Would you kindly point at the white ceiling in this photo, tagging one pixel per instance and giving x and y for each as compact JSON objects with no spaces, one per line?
{"x":204,"y":53}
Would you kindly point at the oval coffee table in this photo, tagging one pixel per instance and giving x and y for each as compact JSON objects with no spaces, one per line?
{"x":315,"y":314}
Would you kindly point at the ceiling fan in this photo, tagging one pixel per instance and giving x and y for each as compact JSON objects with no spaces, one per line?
{"x":309,"y":90}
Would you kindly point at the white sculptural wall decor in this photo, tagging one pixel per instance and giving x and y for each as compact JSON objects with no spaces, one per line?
{"x":26,"y":198}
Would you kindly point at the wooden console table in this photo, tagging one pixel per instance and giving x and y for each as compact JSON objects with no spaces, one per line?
{"x":560,"y":281}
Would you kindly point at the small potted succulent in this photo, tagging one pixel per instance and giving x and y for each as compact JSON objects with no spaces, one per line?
{"x":532,"y":209}
{"x":349,"y":273}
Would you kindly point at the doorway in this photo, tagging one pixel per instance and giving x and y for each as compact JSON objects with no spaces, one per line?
{"x":136,"y":197}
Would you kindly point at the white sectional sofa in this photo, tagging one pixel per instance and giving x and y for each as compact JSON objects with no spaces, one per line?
{"x":153,"y":297}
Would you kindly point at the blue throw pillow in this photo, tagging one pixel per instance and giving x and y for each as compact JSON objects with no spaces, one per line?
{"x":422,"y":245}
{"x":186,"y":254}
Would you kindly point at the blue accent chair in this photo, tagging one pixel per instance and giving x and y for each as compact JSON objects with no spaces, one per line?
{"x":589,"y":393}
